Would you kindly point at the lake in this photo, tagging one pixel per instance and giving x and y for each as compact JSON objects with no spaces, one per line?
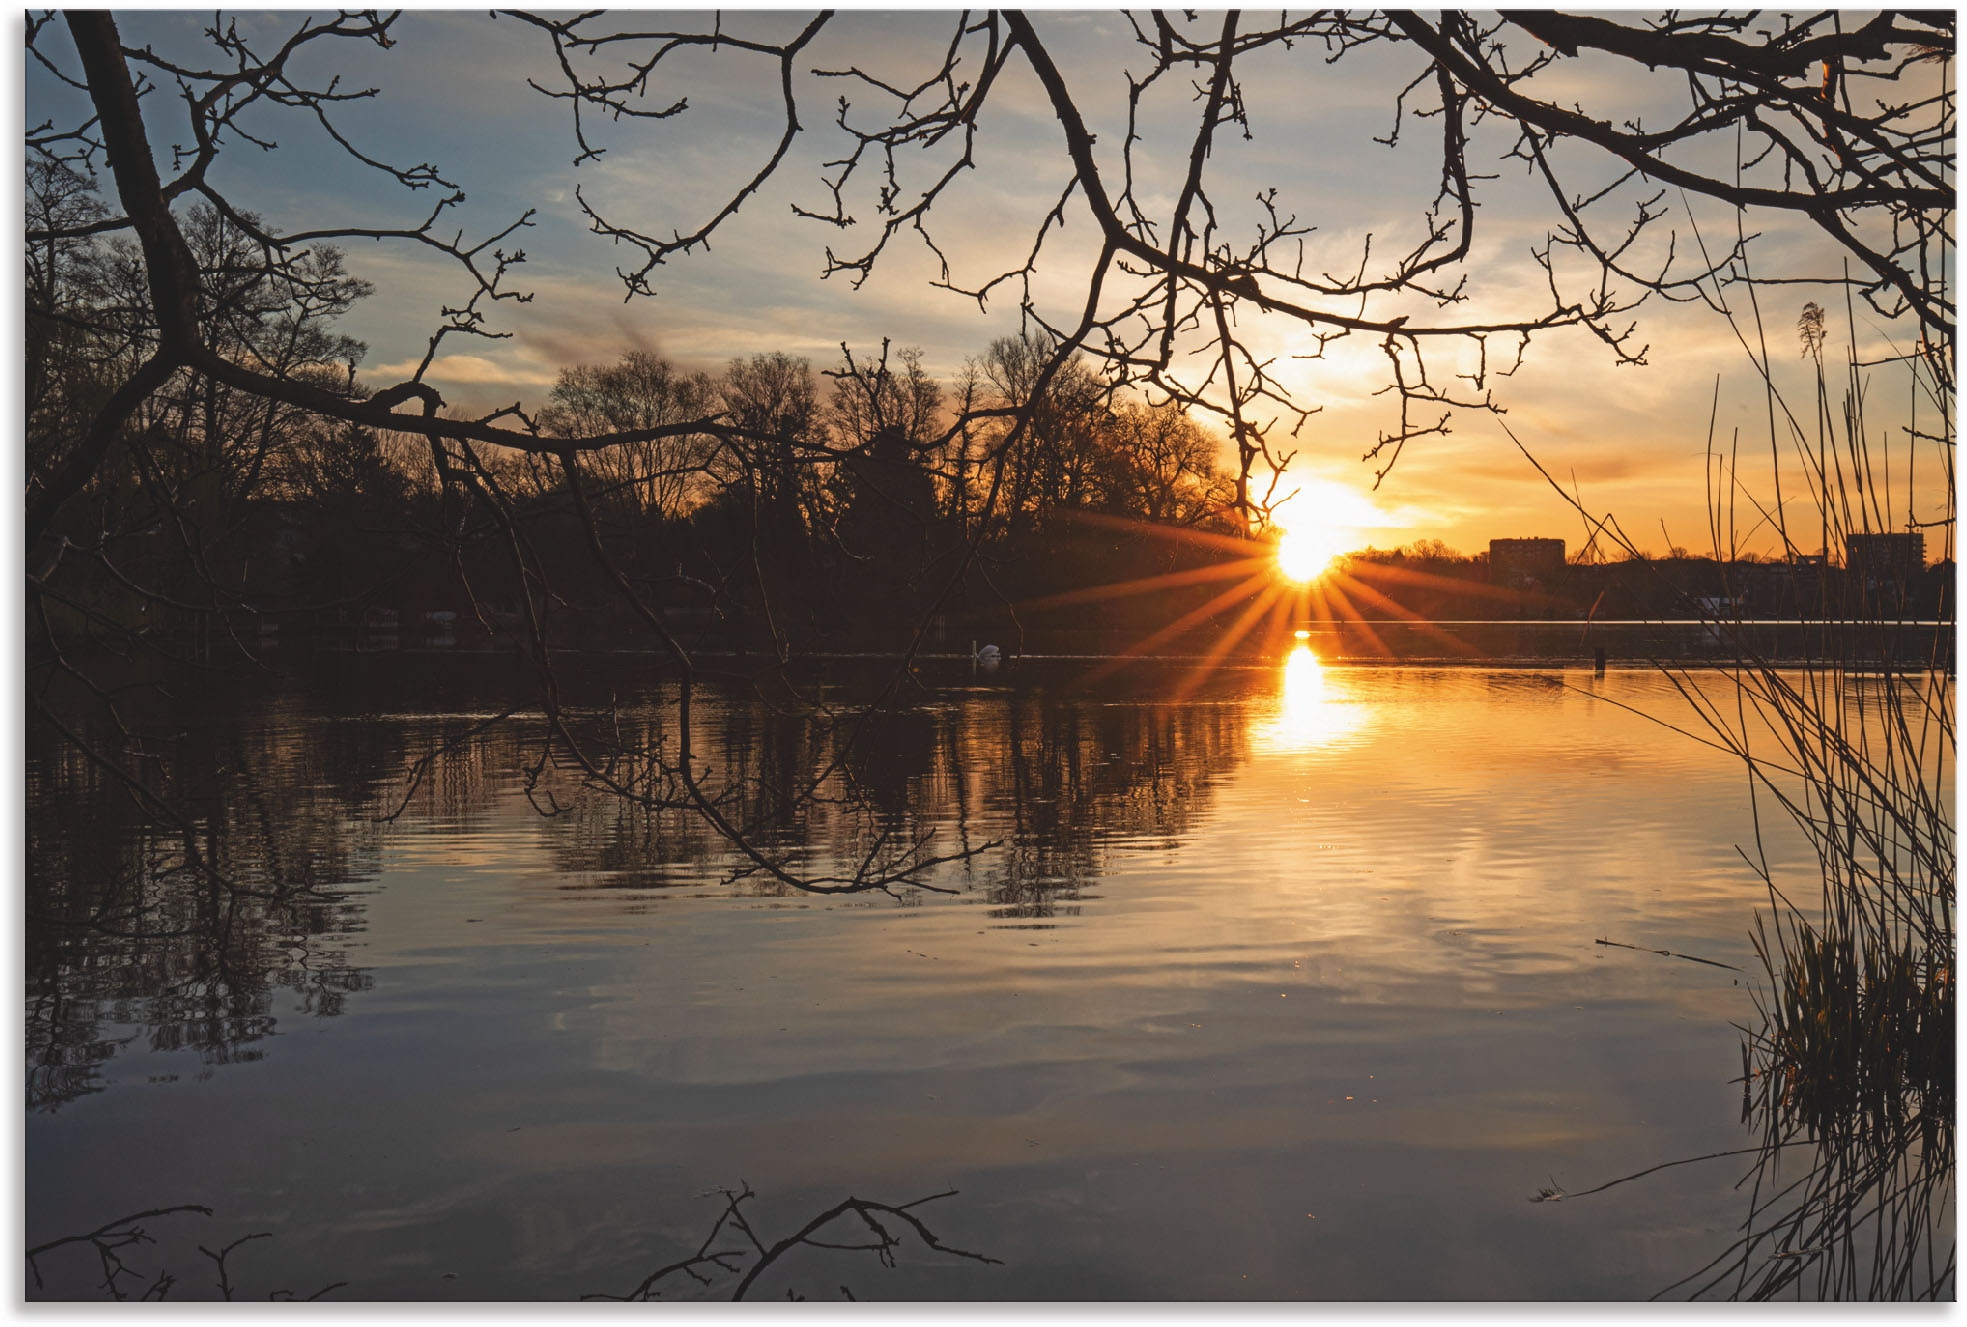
{"x":1286,"y":985}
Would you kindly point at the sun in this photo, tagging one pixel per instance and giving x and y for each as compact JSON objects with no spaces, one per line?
{"x":1306,"y":551}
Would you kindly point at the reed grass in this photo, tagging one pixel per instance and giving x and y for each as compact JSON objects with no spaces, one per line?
{"x":1849,"y":1076}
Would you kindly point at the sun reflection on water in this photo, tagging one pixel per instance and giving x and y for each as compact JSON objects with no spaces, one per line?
{"x":1312,"y":712}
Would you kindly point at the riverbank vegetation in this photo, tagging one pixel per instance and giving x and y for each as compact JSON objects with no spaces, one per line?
{"x":837,"y":509}
{"x":1848,"y":1069}
{"x":1850,"y":1076}
{"x":840,"y":508}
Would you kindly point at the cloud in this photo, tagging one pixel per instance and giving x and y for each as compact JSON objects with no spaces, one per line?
{"x":473,"y":370}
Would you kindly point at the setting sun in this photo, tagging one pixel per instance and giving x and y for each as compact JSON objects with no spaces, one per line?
{"x":1303,"y":554}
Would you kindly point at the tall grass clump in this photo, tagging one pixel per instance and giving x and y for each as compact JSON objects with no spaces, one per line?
{"x":1849,"y":1075}
{"x":1840,"y":706}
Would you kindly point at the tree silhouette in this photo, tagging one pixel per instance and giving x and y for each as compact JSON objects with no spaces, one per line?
{"x":209,"y":329}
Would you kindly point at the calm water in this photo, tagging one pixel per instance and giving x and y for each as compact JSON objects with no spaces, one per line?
{"x":1286,"y":989}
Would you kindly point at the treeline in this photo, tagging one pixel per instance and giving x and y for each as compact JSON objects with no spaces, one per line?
{"x":1428,"y":579}
{"x":821,"y":507}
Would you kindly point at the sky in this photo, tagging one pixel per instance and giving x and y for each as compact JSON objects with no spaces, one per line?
{"x":1632,"y":441}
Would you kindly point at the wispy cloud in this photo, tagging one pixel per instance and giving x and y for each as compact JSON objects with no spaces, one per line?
{"x":473,"y":370}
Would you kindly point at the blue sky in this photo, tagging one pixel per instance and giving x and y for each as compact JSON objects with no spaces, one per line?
{"x":454,"y":92}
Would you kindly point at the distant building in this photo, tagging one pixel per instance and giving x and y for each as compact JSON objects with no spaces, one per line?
{"x":1515,"y":560}
{"x":1886,"y":559}
{"x":1781,"y":589}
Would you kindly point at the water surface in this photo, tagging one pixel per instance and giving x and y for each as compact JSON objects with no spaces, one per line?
{"x":1285,"y":989}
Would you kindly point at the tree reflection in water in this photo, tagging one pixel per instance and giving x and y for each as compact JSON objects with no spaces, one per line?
{"x":1051,"y":782}
{"x":134,"y":1262}
{"x":186,"y":930}
{"x":735,"y":1257}
{"x":135,"y":1255}
{"x":1079,"y":780}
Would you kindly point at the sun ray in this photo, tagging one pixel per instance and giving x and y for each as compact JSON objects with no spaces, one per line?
{"x":1177,"y":627}
{"x":1317,"y":602}
{"x":1144,"y":584}
{"x":1281,"y":614}
{"x":1358,"y":620}
{"x":1428,"y":628}
{"x":1389,"y":572}
{"x":1174,"y":534}
{"x":1227,"y":642}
